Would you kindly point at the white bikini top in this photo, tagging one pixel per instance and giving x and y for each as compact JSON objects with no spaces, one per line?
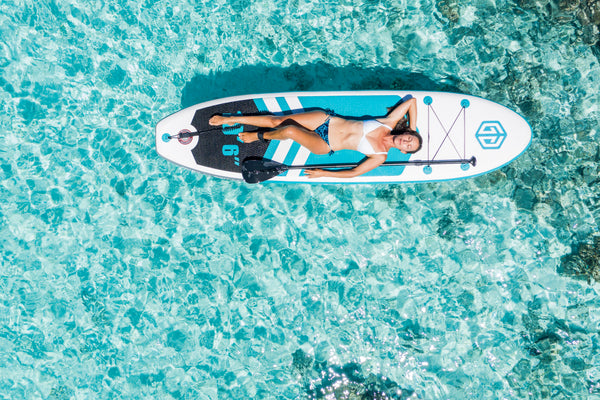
{"x":364,"y":146}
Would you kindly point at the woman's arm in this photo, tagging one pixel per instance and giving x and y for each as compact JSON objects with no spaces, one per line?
{"x":409,"y":106}
{"x":369,"y":164}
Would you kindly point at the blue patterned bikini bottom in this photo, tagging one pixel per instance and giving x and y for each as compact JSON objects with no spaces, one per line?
{"x":323,"y":131}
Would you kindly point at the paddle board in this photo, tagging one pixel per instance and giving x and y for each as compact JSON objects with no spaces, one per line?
{"x":463,"y":136}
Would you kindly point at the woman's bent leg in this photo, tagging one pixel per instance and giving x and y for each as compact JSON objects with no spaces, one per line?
{"x":309,"y":139}
{"x":310,"y":120}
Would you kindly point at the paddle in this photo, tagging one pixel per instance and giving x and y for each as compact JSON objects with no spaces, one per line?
{"x":256,"y":170}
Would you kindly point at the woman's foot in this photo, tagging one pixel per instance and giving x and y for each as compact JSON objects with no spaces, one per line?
{"x":217,"y":120}
{"x":248,"y":137}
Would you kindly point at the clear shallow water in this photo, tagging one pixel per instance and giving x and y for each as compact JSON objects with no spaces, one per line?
{"x":124,"y":276}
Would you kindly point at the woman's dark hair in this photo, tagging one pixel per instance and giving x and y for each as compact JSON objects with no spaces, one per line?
{"x":404,"y":130}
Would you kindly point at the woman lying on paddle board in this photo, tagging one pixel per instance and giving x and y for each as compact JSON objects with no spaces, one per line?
{"x":322,"y":133}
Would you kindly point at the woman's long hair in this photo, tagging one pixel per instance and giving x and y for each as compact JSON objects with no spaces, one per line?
{"x":402,"y":128}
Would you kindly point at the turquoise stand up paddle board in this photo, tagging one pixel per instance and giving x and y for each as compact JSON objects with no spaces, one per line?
{"x":463,"y":136}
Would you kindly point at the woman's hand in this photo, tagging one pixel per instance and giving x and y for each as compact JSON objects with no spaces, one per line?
{"x":409,"y":106}
{"x":315,"y":173}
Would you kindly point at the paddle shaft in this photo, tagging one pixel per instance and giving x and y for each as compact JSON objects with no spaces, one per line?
{"x":471,"y":161}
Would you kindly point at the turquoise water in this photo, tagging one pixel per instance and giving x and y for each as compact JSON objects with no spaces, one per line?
{"x":125,"y":276}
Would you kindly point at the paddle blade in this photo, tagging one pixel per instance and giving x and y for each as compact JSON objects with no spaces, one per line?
{"x":256,"y":170}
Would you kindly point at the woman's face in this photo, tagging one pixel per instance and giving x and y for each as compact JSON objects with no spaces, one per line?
{"x":406,"y":143}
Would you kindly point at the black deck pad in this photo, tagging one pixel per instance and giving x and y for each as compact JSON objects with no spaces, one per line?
{"x":221,"y":149}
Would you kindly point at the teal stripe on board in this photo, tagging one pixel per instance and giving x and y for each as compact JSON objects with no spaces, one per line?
{"x":352,"y":106}
{"x":294,"y":149}
{"x":271,"y":149}
{"x":260,"y":105}
{"x":285,"y":108}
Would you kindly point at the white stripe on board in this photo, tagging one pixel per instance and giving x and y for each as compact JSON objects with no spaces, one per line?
{"x":294,"y":104}
{"x":283,"y":149}
{"x":300,"y":159}
{"x":272,"y":105}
